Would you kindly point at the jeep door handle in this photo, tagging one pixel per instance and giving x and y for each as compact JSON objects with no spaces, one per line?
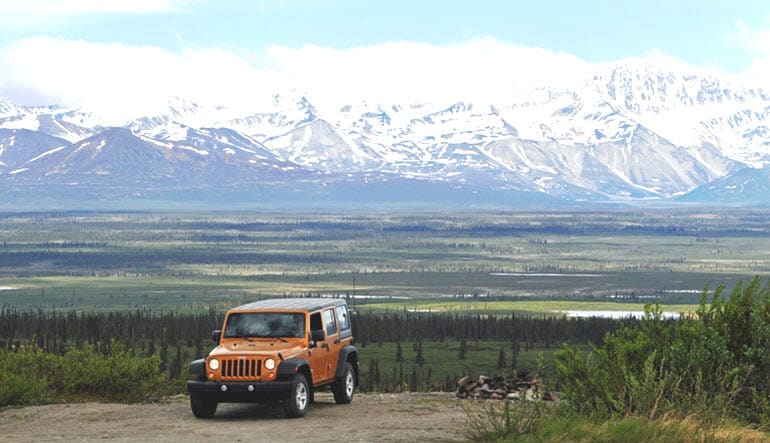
{"x":325,"y":346}
{"x":337,"y":341}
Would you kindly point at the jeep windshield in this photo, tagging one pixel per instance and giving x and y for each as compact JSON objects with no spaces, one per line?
{"x":265,"y":324}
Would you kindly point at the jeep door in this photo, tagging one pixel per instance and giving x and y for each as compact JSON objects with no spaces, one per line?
{"x":317,"y":355}
{"x":332,"y":341}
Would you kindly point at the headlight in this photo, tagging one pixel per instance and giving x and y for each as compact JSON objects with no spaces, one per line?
{"x":213,"y":364}
{"x":269,"y":364}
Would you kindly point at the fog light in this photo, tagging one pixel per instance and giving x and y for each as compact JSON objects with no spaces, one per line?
{"x":223,"y":388}
{"x":251,"y":388}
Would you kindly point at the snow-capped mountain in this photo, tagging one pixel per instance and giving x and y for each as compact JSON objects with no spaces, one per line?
{"x":629,"y":133}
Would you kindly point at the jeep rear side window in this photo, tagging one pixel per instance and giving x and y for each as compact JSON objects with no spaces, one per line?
{"x":331,"y":326}
{"x":342,"y":318}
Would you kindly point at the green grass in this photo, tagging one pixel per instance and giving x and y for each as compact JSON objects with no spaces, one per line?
{"x":533,"y":422}
{"x":634,"y":429}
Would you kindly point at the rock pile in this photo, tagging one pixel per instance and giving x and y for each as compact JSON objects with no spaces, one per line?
{"x":502,"y":388}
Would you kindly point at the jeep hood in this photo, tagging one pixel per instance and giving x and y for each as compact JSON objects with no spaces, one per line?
{"x":245,"y":347}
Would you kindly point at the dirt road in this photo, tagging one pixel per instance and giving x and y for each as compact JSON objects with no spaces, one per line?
{"x":370,"y":418}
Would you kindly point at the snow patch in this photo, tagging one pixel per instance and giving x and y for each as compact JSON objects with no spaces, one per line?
{"x":46,"y":154}
{"x":197,"y":151}
{"x":153,"y":141}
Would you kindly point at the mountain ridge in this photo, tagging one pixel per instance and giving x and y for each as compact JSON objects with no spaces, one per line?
{"x":629,"y":135}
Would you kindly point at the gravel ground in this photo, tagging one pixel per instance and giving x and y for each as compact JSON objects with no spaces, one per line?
{"x":370,"y":418}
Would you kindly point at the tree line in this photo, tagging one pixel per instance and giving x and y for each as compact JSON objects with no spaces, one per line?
{"x":177,"y":338}
{"x":54,"y":331}
{"x":545,"y":330}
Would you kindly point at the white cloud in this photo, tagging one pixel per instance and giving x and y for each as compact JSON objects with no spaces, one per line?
{"x":481,"y":69}
{"x":47,"y":70}
{"x":124,"y":79}
{"x":129,"y":80}
{"x":756,"y":42}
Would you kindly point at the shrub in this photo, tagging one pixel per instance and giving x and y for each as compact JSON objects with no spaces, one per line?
{"x":29,"y":375}
{"x":24,"y":376}
{"x":493,"y":421}
{"x":716,"y":363}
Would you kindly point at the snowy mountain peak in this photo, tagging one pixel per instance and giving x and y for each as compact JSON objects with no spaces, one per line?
{"x":631,"y":131}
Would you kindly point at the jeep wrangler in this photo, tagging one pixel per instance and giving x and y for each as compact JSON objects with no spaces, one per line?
{"x":278,"y":349}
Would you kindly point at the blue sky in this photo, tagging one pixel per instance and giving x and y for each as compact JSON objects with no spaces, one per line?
{"x":285,"y":39}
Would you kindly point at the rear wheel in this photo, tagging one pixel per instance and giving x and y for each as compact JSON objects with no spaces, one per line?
{"x":201,"y":406}
{"x":344,"y":387}
{"x":295,"y":404}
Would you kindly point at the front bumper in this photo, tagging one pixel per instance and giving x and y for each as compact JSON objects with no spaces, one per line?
{"x":240,"y":391}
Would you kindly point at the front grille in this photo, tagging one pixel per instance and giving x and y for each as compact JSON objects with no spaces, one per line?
{"x":246,"y":368}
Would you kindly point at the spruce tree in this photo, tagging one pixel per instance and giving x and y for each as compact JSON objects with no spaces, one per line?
{"x":419,"y":359}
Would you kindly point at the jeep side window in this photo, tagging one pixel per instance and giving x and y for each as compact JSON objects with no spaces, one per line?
{"x":331,"y":326}
{"x":315,"y":322}
{"x":342,"y":318}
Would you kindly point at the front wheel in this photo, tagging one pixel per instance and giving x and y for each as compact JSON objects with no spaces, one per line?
{"x":295,"y":404}
{"x":344,"y":387}
{"x":201,"y":406}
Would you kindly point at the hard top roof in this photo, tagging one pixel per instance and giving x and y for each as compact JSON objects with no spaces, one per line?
{"x":306,"y":304}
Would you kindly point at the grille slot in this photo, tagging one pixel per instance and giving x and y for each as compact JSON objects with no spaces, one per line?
{"x":241,"y":368}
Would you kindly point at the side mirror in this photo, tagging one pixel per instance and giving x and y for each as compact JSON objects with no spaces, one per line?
{"x":316,"y":335}
{"x":216,"y":335}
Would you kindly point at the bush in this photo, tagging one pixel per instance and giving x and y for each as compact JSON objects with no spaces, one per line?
{"x":493,"y":421}
{"x":116,"y":376}
{"x":24,"y":376}
{"x":716,"y":363}
{"x":29,"y":375}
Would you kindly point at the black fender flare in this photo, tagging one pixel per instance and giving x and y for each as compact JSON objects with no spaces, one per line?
{"x":345,"y":354}
{"x":291,"y":367}
{"x":197,"y":368}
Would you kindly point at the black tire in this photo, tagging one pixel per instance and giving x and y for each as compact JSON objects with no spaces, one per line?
{"x":201,"y":406}
{"x":344,"y":387}
{"x":295,"y":404}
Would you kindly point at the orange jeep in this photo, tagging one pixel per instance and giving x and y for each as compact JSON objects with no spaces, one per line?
{"x":279,"y":349}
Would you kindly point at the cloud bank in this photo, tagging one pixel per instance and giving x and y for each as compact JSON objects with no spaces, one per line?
{"x":46,"y":70}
